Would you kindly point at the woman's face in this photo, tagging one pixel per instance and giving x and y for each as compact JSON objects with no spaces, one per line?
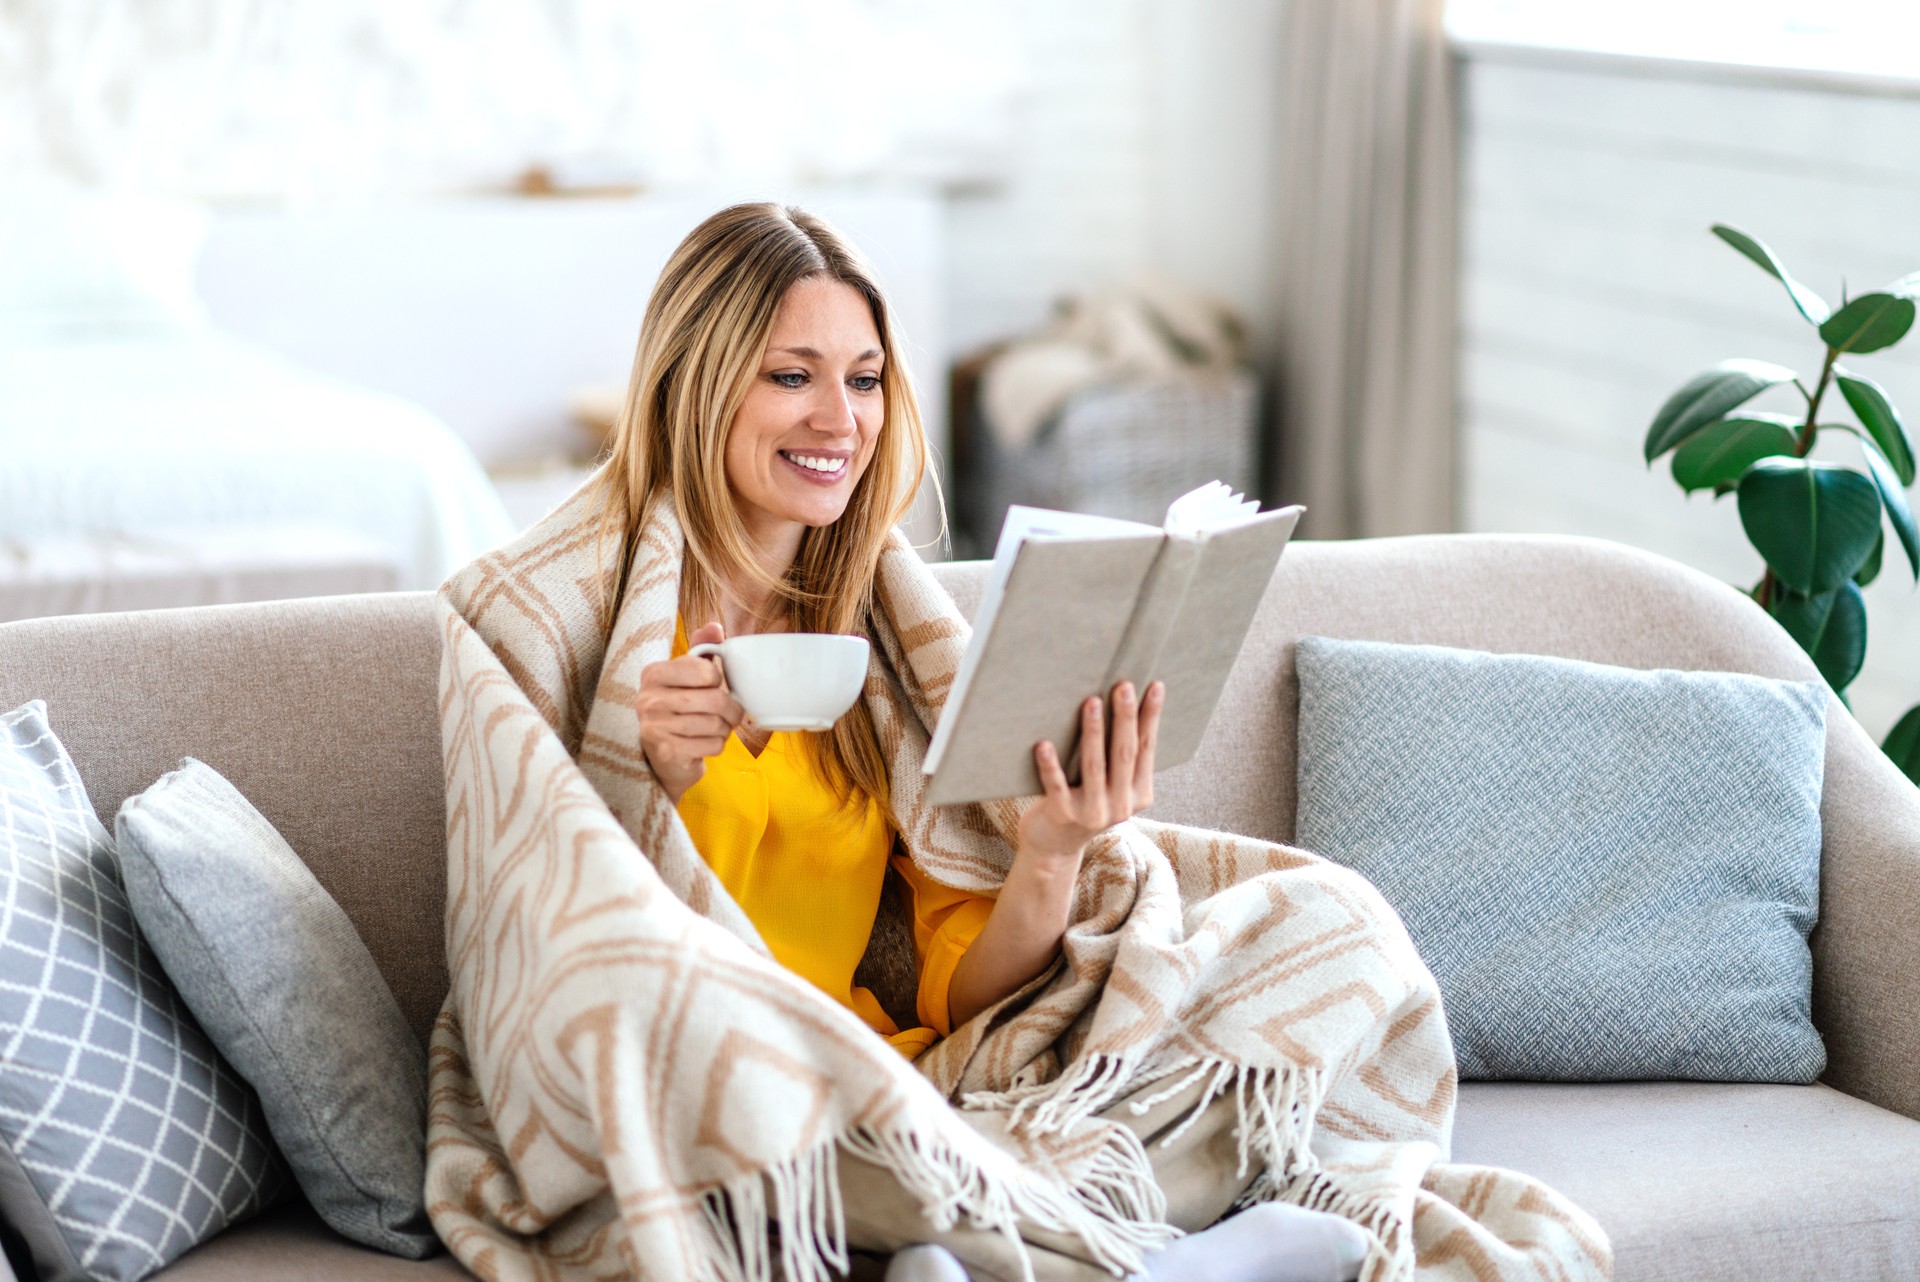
{"x":807,"y":429}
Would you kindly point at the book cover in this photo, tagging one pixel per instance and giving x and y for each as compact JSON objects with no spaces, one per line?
{"x":1074,"y":605}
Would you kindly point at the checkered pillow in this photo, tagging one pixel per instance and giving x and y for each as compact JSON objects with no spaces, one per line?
{"x":124,"y":1139}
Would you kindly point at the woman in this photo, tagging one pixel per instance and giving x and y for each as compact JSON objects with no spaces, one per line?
{"x":787,"y":509}
{"x":655,"y":1058}
{"x":821,"y":459}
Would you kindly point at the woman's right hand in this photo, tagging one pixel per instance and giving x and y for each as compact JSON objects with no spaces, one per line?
{"x":686,"y":715}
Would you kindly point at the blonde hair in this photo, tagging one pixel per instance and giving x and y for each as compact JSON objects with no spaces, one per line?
{"x":701,"y":343}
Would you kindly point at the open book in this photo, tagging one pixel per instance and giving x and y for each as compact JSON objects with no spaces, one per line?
{"x":1075,"y":604}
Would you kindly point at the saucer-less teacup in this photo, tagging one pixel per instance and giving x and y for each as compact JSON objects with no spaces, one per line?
{"x":792,"y":680}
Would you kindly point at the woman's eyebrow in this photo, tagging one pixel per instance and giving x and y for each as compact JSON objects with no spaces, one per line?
{"x":813,"y":355}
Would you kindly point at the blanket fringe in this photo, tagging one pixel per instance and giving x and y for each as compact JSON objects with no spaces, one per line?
{"x":1056,"y":1107}
{"x":787,"y":1223}
{"x":783,"y":1224}
{"x":1275,"y":1110}
{"x":1113,"y":1207}
{"x":1390,"y":1258}
{"x":1274,"y":1107}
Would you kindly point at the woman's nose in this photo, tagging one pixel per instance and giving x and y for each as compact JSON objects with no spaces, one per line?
{"x":831,"y":410}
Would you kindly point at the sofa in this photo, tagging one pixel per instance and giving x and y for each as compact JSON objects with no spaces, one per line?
{"x":323,"y":712}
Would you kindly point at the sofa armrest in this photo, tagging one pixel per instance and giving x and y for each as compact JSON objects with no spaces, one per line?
{"x":1866,"y":949}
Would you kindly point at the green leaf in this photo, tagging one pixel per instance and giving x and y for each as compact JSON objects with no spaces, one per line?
{"x":1894,"y":497}
{"x":1718,"y":453}
{"x":1810,"y":304}
{"x":1831,"y":627}
{"x":1814,"y":523}
{"x":1710,"y":395}
{"x":1903,"y":744}
{"x":1882,"y":421}
{"x":1869,"y":323}
{"x":1870,"y":569}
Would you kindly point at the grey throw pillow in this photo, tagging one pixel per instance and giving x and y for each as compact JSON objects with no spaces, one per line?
{"x":125,"y":1139}
{"x":1611,"y":872}
{"x":290,"y":994}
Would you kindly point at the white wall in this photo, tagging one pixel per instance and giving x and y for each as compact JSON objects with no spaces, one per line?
{"x":1076,"y":142}
{"x":494,"y":313}
{"x":1143,"y":139}
{"x":1592,"y":289}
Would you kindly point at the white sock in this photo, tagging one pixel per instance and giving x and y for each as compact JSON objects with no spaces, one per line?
{"x":1271,"y":1242}
{"x":925,"y":1263}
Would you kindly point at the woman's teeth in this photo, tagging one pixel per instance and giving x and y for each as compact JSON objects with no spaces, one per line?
{"x":815,"y":463}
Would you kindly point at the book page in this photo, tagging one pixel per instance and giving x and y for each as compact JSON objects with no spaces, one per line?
{"x":1211,"y":506}
{"x":1021,"y":524}
{"x":1207,"y":626}
{"x":1066,"y":604}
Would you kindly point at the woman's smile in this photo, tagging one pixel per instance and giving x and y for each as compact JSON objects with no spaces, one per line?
{"x":811,"y":418}
{"x":822,"y":467}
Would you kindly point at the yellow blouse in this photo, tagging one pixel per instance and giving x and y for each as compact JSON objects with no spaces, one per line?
{"x":808,"y":872}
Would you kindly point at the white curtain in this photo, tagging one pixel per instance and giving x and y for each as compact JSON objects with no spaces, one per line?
{"x":1365,"y":258}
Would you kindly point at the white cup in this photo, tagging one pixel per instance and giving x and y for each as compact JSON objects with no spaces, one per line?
{"x":792,"y":680}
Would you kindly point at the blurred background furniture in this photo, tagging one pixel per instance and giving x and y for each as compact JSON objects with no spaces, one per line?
{"x":496,"y":313}
{"x":1123,"y":449}
{"x":88,"y":574}
{"x":150,"y":458}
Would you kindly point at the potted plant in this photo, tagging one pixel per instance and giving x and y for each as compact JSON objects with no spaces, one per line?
{"x":1820,"y":527}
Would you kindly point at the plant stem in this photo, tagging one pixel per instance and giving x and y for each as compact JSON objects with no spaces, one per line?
{"x":1803,"y":446}
{"x":1808,"y":430}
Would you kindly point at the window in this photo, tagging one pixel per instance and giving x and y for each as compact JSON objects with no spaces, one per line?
{"x":1868,"y":37}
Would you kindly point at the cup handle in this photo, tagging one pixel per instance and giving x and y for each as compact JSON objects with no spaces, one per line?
{"x":707,"y":650}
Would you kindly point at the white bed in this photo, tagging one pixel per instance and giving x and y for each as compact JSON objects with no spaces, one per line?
{"x":127,"y":419}
{"x":141,"y":436}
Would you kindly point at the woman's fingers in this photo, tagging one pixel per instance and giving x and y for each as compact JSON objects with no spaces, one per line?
{"x":709,"y":701}
{"x":1150,"y":710}
{"x":685,"y":673}
{"x":1093,"y":762}
{"x":1124,"y":752}
{"x":692,"y":747}
{"x":1053,"y":780}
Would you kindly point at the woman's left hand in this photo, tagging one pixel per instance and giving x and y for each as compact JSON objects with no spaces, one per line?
{"x":1023,"y":933}
{"x":1116,"y":775}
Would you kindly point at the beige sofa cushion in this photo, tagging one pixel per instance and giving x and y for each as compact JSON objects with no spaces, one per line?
{"x":321,"y":711}
{"x":292,"y":1245}
{"x":303,"y":703}
{"x":1702,"y":1180}
{"x":1582,"y":599}
{"x":1575,"y":597}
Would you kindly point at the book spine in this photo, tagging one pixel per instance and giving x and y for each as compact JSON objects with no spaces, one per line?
{"x":1156,"y":615}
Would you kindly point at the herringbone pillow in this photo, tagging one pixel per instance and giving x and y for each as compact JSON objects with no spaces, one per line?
{"x":1611,"y":872}
{"x":125,"y":1139}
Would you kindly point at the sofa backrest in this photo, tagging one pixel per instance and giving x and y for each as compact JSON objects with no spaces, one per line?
{"x":323,"y":712}
{"x":1531,"y":594}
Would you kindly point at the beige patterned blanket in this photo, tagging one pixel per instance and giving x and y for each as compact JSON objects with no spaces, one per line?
{"x":624,"y":1084}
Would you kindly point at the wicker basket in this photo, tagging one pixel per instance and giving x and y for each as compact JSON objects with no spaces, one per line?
{"x":1122,"y":449}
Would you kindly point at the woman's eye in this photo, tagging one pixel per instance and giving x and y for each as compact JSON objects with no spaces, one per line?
{"x":790,"y":380}
{"x":864,"y":382}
